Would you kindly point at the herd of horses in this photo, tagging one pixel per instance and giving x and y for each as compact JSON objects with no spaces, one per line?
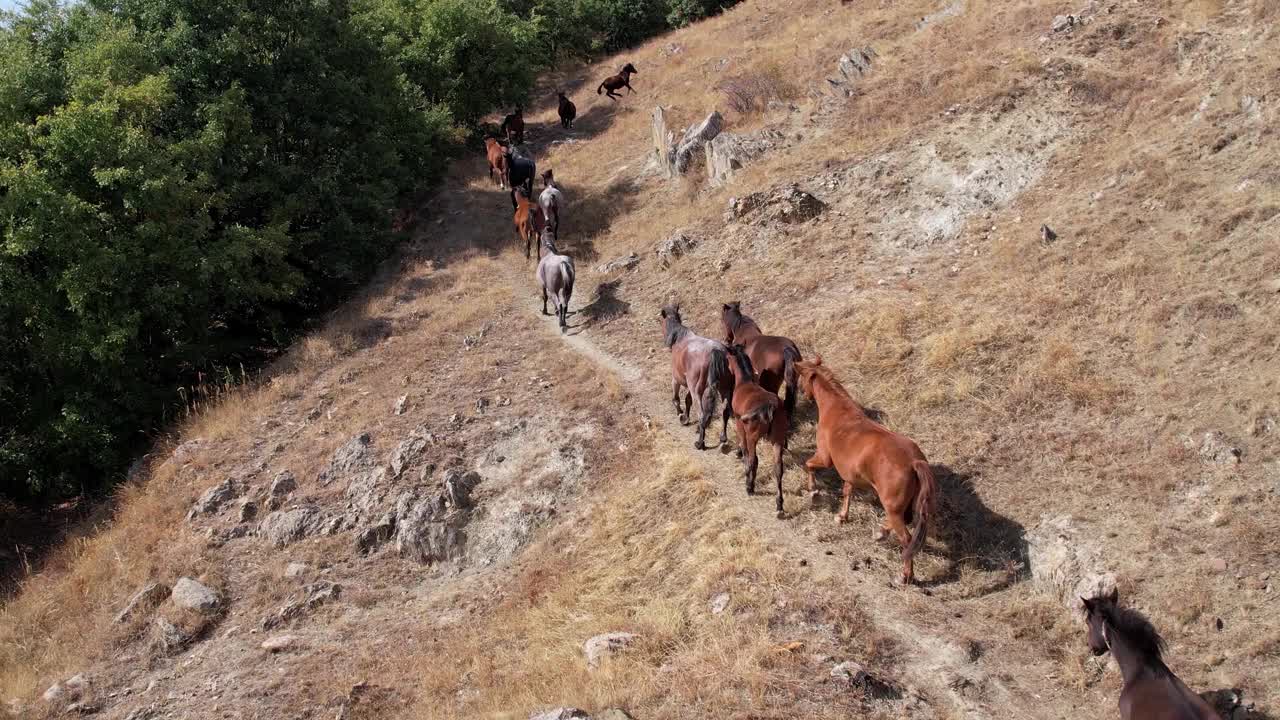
{"x":758,"y":379}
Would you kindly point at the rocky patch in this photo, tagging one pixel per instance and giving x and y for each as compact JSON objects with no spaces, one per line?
{"x":600,"y":647}
{"x":786,"y":204}
{"x":283,"y":484}
{"x":143,"y":601}
{"x":1064,"y":564}
{"x":352,"y":456}
{"x":215,"y":497}
{"x":313,"y":596}
{"x":673,"y":246}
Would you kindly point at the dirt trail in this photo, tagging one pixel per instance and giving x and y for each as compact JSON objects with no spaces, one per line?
{"x":930,"y":633}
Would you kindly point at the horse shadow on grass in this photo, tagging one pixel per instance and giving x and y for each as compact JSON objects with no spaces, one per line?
{"x":605,"y":305}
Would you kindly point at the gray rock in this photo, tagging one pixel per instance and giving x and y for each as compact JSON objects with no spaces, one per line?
{"x":660,"y":152}
{"x":1215,"y":447}
{"x":248,"y":510}
{"x":623,"y":263}
{"x":214,"y":498}
{"x":561,"y":714}
{"x":313,"y":596}
{"x":367,"y":491}
{"x":872,"y":687}
{"x":279,"y":643}
{"x":1064,"y":564}
{"x":352,"y":456}
{"x":189,"y":594}
{"x":458,"y":487}
{"x":1063,"y":23}
{"x":296,"y":569}
{"x":602,"y":646}
{"x":283,"y":527}
{"x":674,"y":246}
{"x":401,"y":403}
{"x":786,"y":204}
{"x":145,"y":600}
{"x":691,"y":145}
{"x":83,"y":708}
{"x":719,"y":603}
{"x":427,"y":532}
{"x":376,"y":535}
{"x":408,"y":451}
{"x":55,"y":695}
{"x":283,"y":484}
{"x":729,"y":152}
{"x":166,"y":638}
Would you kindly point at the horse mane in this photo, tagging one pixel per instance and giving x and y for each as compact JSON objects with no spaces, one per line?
{"x":673,"y":328}
{"x":1137,"y":630}
{"x":744,"y":363}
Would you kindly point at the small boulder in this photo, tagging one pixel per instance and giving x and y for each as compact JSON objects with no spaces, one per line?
{"x":1063,"y":23}
{"x":1064,"y":564}
{"x":248,"y":511}
{"x":296,"y":569}
{"x":214,"y":498}
{"x":55,"y":695}
{"x":871,"y":687}
{"x":352,"y":456}
{"x":719,"y":603}
{"x":623,"y":263}
{"x":674,"y":246}
{"x":401,"y":403}
{"x":376,"y":535}
{"x":189,"y":594}
{"x":602,"y":646}
{"x":458,"y":487}
{"x":166,"y":638}
{"x":279,"y":643}
{"x":283,"y":527}
{"x":426,"y":531}
{"x":283,"y":484}
{"x":408,"y":451}
{"x":561,"y":714}
{"x":691,"y":146}
{"x":1214,"y":447}
{"x":147,"y":598}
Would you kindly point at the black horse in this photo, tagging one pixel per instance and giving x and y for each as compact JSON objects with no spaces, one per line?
{"x":520,"y":174}
{"x":568,"y":111}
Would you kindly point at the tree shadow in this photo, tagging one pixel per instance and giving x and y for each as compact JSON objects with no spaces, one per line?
{"x":977,"y":538}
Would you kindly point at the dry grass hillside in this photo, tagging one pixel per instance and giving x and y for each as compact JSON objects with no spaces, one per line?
{"x":1105,"y":396}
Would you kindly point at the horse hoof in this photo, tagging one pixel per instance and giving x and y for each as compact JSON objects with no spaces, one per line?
{"x":699,"y":445}
{"x":840,"y":520}
{"x":738,"y":453}
{"x":782,"y":515}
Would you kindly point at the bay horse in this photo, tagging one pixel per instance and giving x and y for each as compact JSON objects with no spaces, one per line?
{"x":774,"y":357}
{"x":568,"y":111}
{"x":701,"y":366}
{"x":497,"y":156}
{"x":757,"y":414}
{"x":550,"y":200}
{"x":513,"y":126}
{"x":617,"y":82}
{"x":528,"y":221}
{"x":867,"y":453}
{"x":520,"y":172}
{"x":1151,"y":690}
{"x":555,"y":275}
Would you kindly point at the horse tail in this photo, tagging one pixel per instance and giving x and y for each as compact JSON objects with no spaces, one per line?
{"x":600,"y":90}
{"x":567,"y":274}
{"x":764,"y":414}
{"x":790,"y":356}
{"x":925,"y":503}
{"x":719,"y":373}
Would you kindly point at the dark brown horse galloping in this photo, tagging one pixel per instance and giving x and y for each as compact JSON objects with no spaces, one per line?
{"x":568,"y":111}
{"x":701,"y":366}
{"x":513,"y":126}
{"x":774,"y":357}
{"x":757,"y":414}
{"x":1151,"y":690}
{"x":617,"y":82}
{"x":867,"y":453}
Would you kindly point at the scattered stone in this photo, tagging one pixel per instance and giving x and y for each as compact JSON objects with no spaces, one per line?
{"x":283,"y":527}
{"x":623,"y":263}
{"x":1047,"y":235}
{"x":146,"y":599}
{"x":601,"y":646}
{"x":214,"y":498}
{"x":676,"y":245}
{"x":787,"y":204}
{"x":729,"y":152}
{"x":283,"y":484}
{"x":1263,"y":425}
{"x":189,"y":594}
{"x":166,"y":638}
{"x":719,"y":603}
{"x":561,"y":714}
{"x":1064,"y":564}
{"x":872,"y":687}
{"x":352,"y":456}
{"x":279,"y":643}
{"x":376,"y":535}
{"x":313,"y":596}
{"x":408,"y":451}
{"x":458,"y":487}
{"x":1218,"y":565}
{"x":851,"y":67}
{"x":426,"y":531}
{"x":691,"y":146}
{"x":248,"y":511}
{"x":1063,"y":23}
{"x":1215,"y":447}
{"x":401,"y":402}
{"x":296,"y":569}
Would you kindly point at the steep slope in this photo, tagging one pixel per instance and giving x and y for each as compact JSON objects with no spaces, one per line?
{"x":1113,"y":382}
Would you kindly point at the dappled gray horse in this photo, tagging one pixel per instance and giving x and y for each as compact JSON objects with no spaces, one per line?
{"x":555,"y":275}
{"x":552,"y":202}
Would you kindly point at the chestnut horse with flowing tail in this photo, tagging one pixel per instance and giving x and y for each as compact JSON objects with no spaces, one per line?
{"x":867,"y":453}
{"x":497,"y":156}
{"x":528,"y":220}
{"x":757,"y":414}
{"x":617,"y":82}
{"x":700,"y":365}
{"x":1151,"y":690}
{"x":774,"y":357}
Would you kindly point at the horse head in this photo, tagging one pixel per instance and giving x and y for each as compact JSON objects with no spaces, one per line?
{"x":548,"y":240}
{"x":1097,"y":609}
{"x":807,"y":371}
{"x":730,"y":314}
{"x":629,"y":69}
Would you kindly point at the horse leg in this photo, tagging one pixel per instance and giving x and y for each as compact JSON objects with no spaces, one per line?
{"x":777,"y":470}
{"x":704,"y":417}
{"x":544,"y":300}
{"x":819,"y":461}
{"x":675,"y":399}
{"x":895,"y":520}
{"x":724,"y":426}
{"x":753,"y":462}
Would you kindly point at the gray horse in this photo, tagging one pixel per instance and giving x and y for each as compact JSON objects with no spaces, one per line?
{"x":555,"y":275}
